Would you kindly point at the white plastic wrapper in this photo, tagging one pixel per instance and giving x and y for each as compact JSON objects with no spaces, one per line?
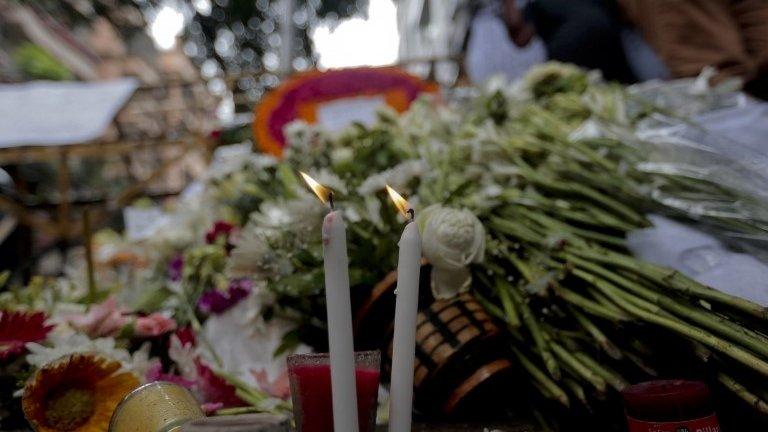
{"x":717,"y":135}
{"x":702,"y":257}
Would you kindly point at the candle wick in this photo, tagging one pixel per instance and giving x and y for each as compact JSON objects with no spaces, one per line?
{"x":330,"y":200}
{"x":411,"y":214}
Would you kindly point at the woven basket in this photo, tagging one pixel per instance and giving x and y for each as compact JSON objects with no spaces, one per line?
{"x":458,"y":345}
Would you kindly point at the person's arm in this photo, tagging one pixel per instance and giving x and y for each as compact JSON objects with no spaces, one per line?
{"x":520,"y":31}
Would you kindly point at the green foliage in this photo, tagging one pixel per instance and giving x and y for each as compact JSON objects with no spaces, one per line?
{"x":4,"y":276}
{"x":36,"y":63}
{"x":555,"y":78}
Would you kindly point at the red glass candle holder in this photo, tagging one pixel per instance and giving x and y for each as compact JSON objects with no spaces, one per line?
{"x":310,"y":376}
{"x":670,"y":406}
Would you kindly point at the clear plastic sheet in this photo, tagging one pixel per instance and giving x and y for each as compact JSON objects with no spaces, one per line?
{"x":716,"y":136}
{"x":688,"y":97}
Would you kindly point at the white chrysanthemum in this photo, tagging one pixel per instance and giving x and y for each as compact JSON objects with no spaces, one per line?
{"x":342,"y":156}
{"x":58,"y":298}
{"x":451,"y":240}
{"x":373,"y":210}
{"x":304,"y":214}
{"x":302,"y":140}
{"x":329,"y":179}
{"x":398,"y":177}
{"x":297,"y":130}
{"x":264,"y":246}
{"x":232,"y":158}
{"x":255,"y":256}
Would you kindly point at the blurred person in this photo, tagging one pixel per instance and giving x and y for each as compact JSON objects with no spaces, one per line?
{"x":583,"y":32}
{"x":688,"y":35}
{"x":731,"y":35}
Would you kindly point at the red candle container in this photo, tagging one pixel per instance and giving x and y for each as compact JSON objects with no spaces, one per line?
{"x":310,"y":376}
{"x":670,"y":406}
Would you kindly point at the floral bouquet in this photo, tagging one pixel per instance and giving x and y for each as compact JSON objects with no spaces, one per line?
{"x":524,"y":195}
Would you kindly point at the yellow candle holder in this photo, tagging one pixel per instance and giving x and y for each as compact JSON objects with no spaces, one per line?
{"x":155,"y":407}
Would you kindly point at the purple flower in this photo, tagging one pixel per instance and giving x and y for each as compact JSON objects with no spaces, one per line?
{"x":176,"y":267}
{"x":217,"y":302}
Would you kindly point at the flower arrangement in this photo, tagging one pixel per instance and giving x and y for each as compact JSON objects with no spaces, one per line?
{"x":521,"y":204}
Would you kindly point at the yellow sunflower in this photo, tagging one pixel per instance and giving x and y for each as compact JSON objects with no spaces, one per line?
{"x":77,"y":392}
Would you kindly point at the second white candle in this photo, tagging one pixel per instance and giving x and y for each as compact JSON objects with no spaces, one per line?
{"x":404,"y":342}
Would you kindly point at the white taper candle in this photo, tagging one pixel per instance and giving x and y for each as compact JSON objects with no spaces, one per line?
{"x":404,"y":343}
{"x":340,"y":342}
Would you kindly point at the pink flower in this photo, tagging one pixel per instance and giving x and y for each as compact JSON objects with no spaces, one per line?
{"x":279,"y":388}
{"x":104,"y":319}
{"x":153,"y":325}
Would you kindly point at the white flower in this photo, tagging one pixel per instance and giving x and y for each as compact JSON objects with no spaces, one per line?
{"x":304,"y":213}
{"x":303,"y":141}
{"x":184,"y":356}
{"x":66,"y":344}
{"x":451,"y":240}
{"x":398,"y":177}
{"x":496,"y":82}
{"x":342,"y":156}
{"x":60,"y":344}
{"x":141,"y":362}
{"x":232,"y":158}
{"x":373,"y":210}
{"x":266,"y":243}
{"x":298,"y":130}
{"x":255,"y":256}
{"x":331,"y":180}
{"x":245,"y":342}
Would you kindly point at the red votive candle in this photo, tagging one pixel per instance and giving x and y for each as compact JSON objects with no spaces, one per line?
{"x":670,"y":406}
{"x":310,"y":376}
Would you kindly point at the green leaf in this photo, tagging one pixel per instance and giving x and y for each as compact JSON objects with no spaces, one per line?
{"x":4,"y":276}
{"x":290,"y":341}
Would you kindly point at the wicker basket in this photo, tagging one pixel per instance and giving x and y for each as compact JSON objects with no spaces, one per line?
{"x":459,"y":347}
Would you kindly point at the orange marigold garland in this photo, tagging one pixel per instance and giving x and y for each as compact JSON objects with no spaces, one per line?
{"x":300,"y":96}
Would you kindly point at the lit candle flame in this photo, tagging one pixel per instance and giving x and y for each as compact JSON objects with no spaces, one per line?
{"x":400,"y":202}
{"x":321,"y":191}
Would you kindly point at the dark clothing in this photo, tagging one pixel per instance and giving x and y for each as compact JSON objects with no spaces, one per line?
{"x":583,"y":32}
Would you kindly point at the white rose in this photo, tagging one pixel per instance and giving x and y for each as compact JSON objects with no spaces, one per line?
{"x":451,"y":240}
